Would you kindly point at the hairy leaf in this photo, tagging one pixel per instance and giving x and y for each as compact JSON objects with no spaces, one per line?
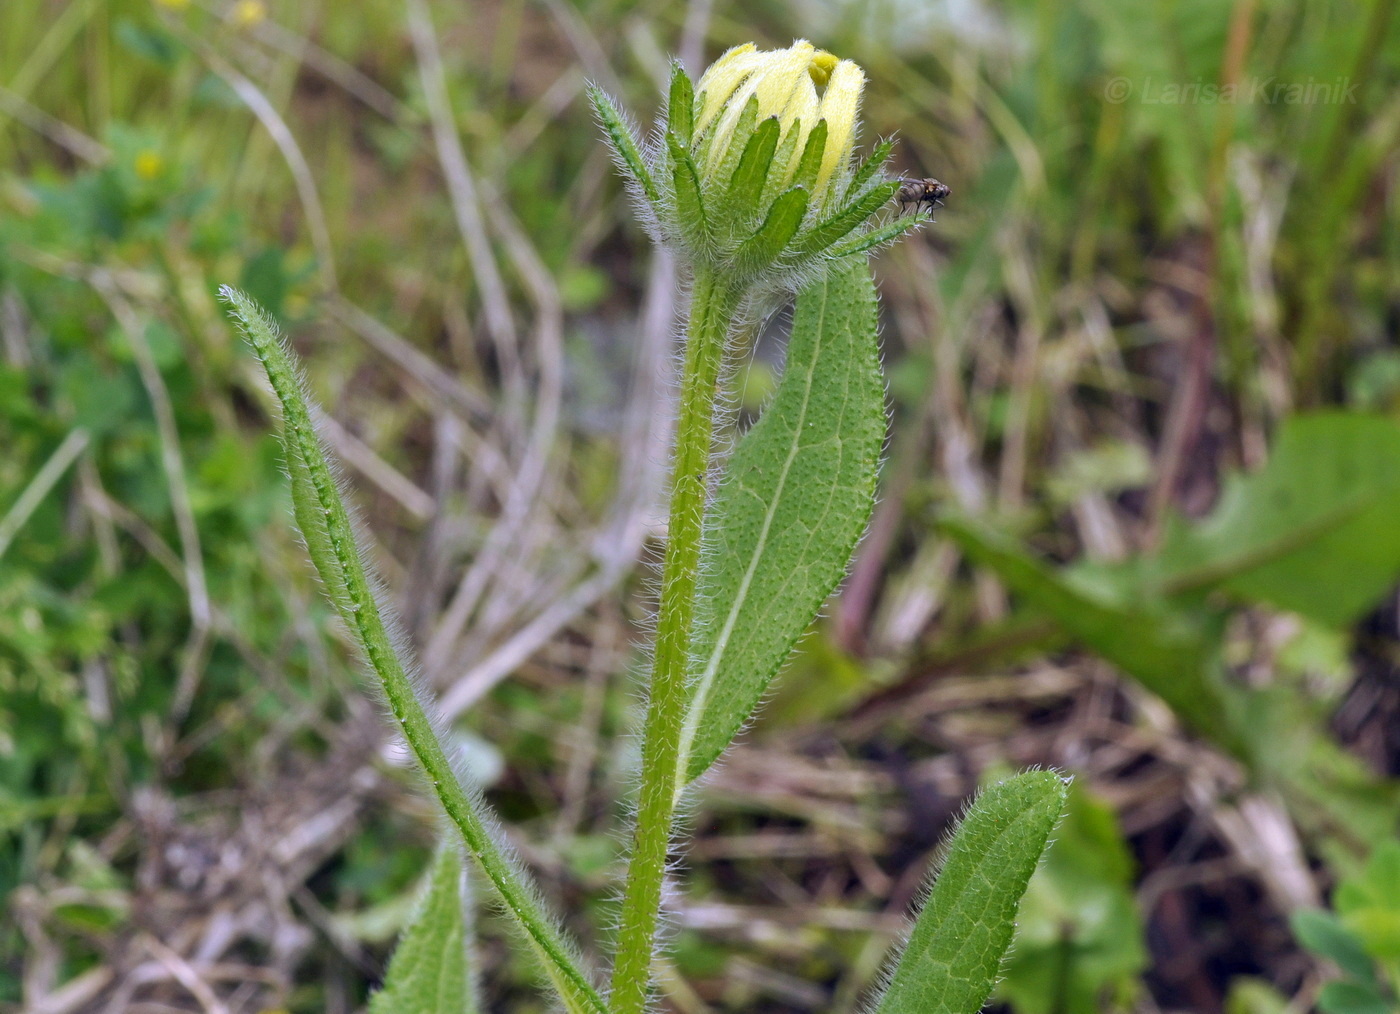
{"x":332,"y":543}
{"x":624,"y":143}
{"x":794,"y":501}
{"x":763,"y":247}
{"x":680,"y":106}
{"x":429,"y":973}
{"x":955,"y":951}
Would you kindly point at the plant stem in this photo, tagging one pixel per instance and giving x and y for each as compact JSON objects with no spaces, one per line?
{"x":712,"y":311}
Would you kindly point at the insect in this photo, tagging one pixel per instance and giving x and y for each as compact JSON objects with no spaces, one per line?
{"x":918,"y":192}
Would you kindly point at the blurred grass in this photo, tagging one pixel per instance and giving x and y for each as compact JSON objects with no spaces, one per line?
{"x":1121,"y":300}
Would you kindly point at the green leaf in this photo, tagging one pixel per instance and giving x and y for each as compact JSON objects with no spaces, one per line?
{"x":334,"y":550}
{"x":782,"y":158}
{"x":1313,"y":531}
{"x":689,"y":205}
{"x":866,"y":171}
{"x":1323,"y":934}
{"x":1353,"y":998}
{"x":811,"y":160}
{"x":680,"y":106}
{"x":878,"y":236}
{"x":430,"y":970}
{"x":746,"y":185}
{"x":955,"y":951}
{"x":624,"y":144}
{"x":795,"y":499}
{"x":822,"y":235}
{"x":763,"y":247}
{"x":720,"y":165}
{"x":1079,"y":937}
{"x":311,"y":521}
{"x":1369,"y":903}
{"x":1156,"y":645}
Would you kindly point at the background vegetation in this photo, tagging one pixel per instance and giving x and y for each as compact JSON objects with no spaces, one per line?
{"x":1141,"y":287}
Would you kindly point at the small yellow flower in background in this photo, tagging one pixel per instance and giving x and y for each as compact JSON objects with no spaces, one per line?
{"x":149,"y":164}
{"x":247,"y":13}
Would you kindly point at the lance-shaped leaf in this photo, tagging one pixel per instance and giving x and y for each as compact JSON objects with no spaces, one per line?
{"x":746,"y":185}
{"x":784,"y":217}
{"x":720,"y":164}
{"x":811,"y":160}
{"x":689,"y":203}
{"x":778,"y":174}
{"x":334,"y":549}
{"x":624,"y":142}
{"x":878,"y":236}
{"x":824,"y":234}
{"x":1174,"y":657}
{"x":794,"y":502}
{"x":680,"y":104}
{"x":866,"y":171}
{"x":430,"y":972}
{"x":954,"y":953}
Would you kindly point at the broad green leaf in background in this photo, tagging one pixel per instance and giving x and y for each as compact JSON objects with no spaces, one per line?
{"x":1322,"y":933}
{"x":1362,"y":938}
{"x":955,"y":951}
{"x":1353,"y":998}
{"x":1313,"y":531}
{"x":793,"y":503}
{"x":1369,"y":903}
{"x":1249,"y":995}
{"x":1162,"y":649}
{"x":430,"y":971}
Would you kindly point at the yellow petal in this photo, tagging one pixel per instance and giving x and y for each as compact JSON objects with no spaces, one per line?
{"x":840,"y":106}
{"x":718,"y":83}
{"x":781,"y":81}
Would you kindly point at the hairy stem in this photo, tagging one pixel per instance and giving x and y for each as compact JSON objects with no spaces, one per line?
{"x":712,"y":312}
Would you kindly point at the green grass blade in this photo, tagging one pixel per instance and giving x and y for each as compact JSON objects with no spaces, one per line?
{"x":331,"y":542}
{"x":954,"y":953}
{"x":430,"y":972}
{"x":796,"y":498}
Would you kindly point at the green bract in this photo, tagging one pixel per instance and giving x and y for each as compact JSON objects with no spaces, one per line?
{"x":751,"y":173}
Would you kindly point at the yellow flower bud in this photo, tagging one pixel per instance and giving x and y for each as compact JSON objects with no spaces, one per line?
{"x":785,"y":83}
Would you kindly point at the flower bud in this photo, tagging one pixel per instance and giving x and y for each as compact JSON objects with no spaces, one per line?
{"x":752,"y":174}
